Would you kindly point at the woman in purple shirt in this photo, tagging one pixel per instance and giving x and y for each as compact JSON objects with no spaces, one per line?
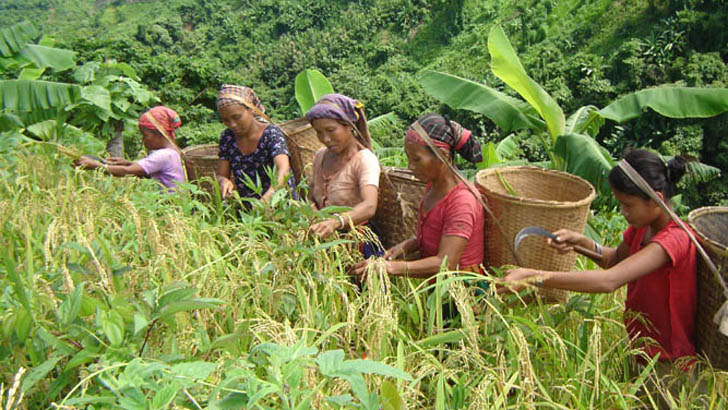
{"x":163,"y":162}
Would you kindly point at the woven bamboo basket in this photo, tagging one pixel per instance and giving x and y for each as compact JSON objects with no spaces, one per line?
{"x":201,"y":161}
{"x":302,"y":144}
{"x":399,"y":197}
{"x":710,"y":224}
{"x":546,"y":198}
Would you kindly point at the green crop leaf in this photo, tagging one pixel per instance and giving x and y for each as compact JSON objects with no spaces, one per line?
{"x":57,"y":59}
{"x":97,"y":96}
{"x":311,"y":85}
{"x":15,"y":37}
{"x":39,"y":372}
{"x":112,"y":324}
{"x":506,"y":66}
{"x":176,"y":292}
{"x":584,"y":157}
{"x":192,"y":304}
{"x":198,"y":370}
{"x":140,"y":322}
{"x":672,"y":102}
{"x":31,"y":73}
{"x":69,"y":309}
{"x":391,"y":400}
{"x":506,"y":112}
{"x":442,"y":338}
{"x":585,"y":120}
{"x":164,"y":397}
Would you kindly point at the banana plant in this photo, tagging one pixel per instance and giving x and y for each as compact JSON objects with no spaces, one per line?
{"x":311,"y":85}
{"x":569,"y":141}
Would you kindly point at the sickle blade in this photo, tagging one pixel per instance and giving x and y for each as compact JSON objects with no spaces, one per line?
{"x":531,"y":230}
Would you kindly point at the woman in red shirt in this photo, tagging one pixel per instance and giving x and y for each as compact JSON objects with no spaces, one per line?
{"x":450,"y":219}
{"x":656,"y":260}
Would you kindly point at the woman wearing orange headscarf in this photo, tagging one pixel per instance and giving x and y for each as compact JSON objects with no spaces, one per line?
{"x":163,"y":162}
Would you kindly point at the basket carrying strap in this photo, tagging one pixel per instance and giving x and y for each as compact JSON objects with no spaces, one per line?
{"x":162,"y":131}
{"x":721,"y":316}
{"x":421,"y":131}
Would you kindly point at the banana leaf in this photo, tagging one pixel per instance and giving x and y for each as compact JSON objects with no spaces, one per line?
{"x":57,"y":59}
{"x":585,"y":120}
{"x":506,"y":112}
{"x":15,"y":37}
{"x":311,"y":85}
{"x":584,"y":157}
{"x":505,"y":65}
{"x":672,"y":102}
{"x":25,"y":96}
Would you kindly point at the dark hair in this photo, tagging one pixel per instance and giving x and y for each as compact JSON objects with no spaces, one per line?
{"x":660,"y":175}
{"x":441,"y":128}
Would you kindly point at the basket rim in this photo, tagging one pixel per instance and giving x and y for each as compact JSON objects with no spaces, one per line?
{"x":190,"y":151}
{"x":401,"y":173}
{"x":537,"y":202}
{"x":695,"y":213}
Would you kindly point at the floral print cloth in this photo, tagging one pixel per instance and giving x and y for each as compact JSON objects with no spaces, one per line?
{"x":253,"y":165}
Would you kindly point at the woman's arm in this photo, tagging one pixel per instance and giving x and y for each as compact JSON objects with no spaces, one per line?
{"x":647,"y":260}
{"x":283,"y":167}
{"x":223,"y":178}
{"x":115,"y":170}
{"x":404,"y":247}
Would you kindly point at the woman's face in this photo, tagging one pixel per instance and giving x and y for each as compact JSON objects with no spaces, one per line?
{"x":426,"y":166}
{"x":152,"y":139}
{"x":336,"y":136}
{"x":237,"y":118}
{"x":638,"y":212}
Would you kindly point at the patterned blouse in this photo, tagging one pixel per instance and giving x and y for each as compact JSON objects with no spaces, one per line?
{"x":271,"y":144}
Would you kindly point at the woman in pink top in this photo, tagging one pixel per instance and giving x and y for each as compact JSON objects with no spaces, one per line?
{"x":163,"y":162}
{"x":450,"y":220}
{"x":346,"y":171}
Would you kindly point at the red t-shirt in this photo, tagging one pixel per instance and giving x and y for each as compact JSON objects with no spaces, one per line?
{"x":666,"y":298}
{"x":460,"y":214}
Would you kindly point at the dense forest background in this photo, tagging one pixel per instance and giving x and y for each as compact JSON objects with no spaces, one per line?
{"x":584,"y":52}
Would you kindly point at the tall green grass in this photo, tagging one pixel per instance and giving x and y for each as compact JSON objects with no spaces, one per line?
{"x":87,"y":258}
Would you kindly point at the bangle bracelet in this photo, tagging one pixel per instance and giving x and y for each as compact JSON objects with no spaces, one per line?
{"x":341,"y":221}
{"x":597,"y":248}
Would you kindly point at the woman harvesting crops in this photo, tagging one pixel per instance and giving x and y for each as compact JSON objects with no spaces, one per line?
{"x":248,"y":147}
{"x":656,"y":259}
{"x":163,"y":162}
{"x":346,"y":171}
{"x":450,"y":218}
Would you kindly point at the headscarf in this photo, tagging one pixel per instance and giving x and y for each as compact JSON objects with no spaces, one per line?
{"x":447,"y":135}
{"x":166,"y":119}
{"x":342,"y":108}
{"x":236,"y":95}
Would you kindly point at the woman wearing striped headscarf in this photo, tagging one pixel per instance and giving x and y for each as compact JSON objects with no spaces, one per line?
{"x":346,"y":171}
{"x":163,"y":162}
{"x":249,"y":147}
{"x":450,"y":219}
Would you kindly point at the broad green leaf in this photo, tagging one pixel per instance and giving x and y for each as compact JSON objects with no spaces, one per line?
{"x":585,"y":120}
{"x":442,"y":338}
{"x":45,"y":130}
{"x":140,"y":322}
{"x":31,"y":73}
{"x":97,"y":96}
{"x":185,"y":305}
{"x":69,"y":309}
{"x":58,"y":59}
{"x":584,"y":157}
{"x":391,"y":400}
{"x":697,"y":171}
{"x":311,"y":85}
{"x":40,"y":372}
{"x":29,"y":96}
{"x":84,"y":356}
{"x":330,"y":361}
{"x":112,"y":324}
{"x":164,"y":397}
{"x":490,"y":156}
{"x":672,"y":102}
{"x":86,"y":73}
{"x":194,"y":370}
{"x":232,"y":401}
{"x":506,"y":112}
{"x":15,"y":37}
{"x":508,"y":147}
{"x":10,"y":122}
{"x":506,"y":66}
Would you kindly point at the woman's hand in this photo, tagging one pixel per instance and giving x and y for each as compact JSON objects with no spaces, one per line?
{"x":226,"y":187}
{"x":325,"y":228}
{"x":517,"y":279}
{"x":117,"y":161}
{"x":566,"y":239}
{"x":399,"y":249}
{"x":360,"y":269}
{"x":87,"y":163}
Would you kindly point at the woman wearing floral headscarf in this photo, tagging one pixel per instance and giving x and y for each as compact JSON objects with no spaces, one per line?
{"x":450,"y":219}
{"x":248,"y":147}
{"x":163,"y":162}
{"x":346,"y":171}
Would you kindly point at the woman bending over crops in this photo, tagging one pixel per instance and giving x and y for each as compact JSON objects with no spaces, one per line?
{"x":250,"y":147}
{"x":346,"y":171}
{"x":656,"y":260}
{"x":450,"y":219}
{"x":163,"y":162}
